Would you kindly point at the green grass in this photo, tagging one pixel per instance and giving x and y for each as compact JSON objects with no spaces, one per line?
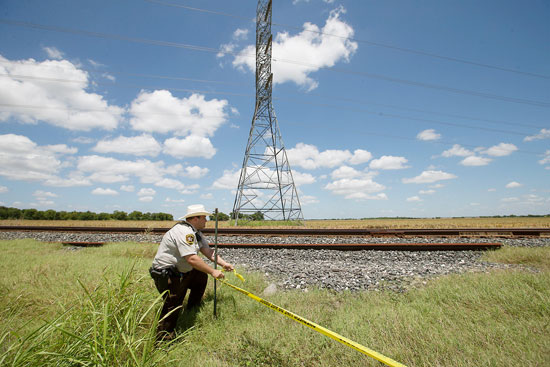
{"x":98,"y":306}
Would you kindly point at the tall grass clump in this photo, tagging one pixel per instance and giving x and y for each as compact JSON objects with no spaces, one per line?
{"x":111,"y":325}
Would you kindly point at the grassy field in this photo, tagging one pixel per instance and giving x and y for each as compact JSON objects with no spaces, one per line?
{"x":98,"y":306}
{"x":507,"y":222}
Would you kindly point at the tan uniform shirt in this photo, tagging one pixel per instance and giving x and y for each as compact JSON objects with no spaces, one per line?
{"x":180,"y":241}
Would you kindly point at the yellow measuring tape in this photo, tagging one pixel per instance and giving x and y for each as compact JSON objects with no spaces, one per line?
{"x":339,"y":338}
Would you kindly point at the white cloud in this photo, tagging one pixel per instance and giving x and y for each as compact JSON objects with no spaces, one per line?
{"x":413,"y":199}
{"x":315,"y":47}
{"x":501,"y":150}
{"x":146,"y":199}
{"x":170,"y":183}
{"x":146,"y":192}
{"x":388,"y":162}
{"x":428,"y":135}
{"x":61,"y":149}
{"x":39,"y":194}
{"x":429,"y":177}
{"x":240,"y":34}
{"x":345,"y":172}
{"x":492,"y":190}
{"x":227,"y":48}
{"x":228,"y":181}
{"x":365,"y":196}
{"x":190,"y":190}
{"x":360,"y":156}
{"x":108,"y":77}
{"x":546,"y":159}
{"x":127,"y":188}
{"x":53,"y":53}
{"x":308,"y":200}
{"x":509,"y":200}
{"x":3,"y":189}
{"x":457,"y":151}
{"x":161,"y":112}
{"x":83,"y":140}
{"x":43,"y":203}
{"x":96,"y":64}
{"x":190,"y":146}
{"x":33,"y":98}
{"x":176,"y":201}
{"x":102,"y":191}
{"x":309,"y":157}
{"x":426,"y":192}
{"x":544,"y":134}
{"x":141,"y":145}
{"x":357,"y":188}
{"x":195,"y":172}
{"x":513,"y":185}
{"x":43,"y":197}
{"x":22,"y":159}
{"x":475,"y":161}
{"x":534,"y":198}
{"x":67,"y":182}
{"x":302,"y":179}
{"x":106,"y":169}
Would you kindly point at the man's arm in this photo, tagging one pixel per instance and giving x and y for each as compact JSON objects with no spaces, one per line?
{"x":197,"y":263}
{"x":209,"y":253}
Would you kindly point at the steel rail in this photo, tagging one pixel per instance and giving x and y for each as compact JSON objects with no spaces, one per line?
{"x":236,"y":231}
{"x":344,"y":246}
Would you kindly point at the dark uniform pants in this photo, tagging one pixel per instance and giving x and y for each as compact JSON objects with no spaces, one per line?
{"x":177,"y":287}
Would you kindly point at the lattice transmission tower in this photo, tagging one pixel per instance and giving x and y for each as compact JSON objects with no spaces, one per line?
{"x":266,"y":184}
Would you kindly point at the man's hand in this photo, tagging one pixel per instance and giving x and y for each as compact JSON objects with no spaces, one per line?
{"x":217,"y":274}
{"x":228,"y":267}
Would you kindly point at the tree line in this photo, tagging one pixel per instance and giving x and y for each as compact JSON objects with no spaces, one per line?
{"x":247,"y":217}
{"x":34,"y":214}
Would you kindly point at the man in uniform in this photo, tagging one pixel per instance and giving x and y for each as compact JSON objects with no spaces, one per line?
{"x":177,"y":267}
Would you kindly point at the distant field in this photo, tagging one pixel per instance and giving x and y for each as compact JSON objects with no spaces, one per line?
{"x":508,"y":222}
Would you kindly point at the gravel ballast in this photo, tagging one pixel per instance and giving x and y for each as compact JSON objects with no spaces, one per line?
{"x":332,"y":269}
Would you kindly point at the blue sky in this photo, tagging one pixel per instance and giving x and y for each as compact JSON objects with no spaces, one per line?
{"x":386,"y":108}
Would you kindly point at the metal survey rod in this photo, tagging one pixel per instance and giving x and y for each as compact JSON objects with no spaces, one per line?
{"x":215,"y":256}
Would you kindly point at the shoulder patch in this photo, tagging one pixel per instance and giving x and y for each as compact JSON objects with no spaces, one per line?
{"x":190,"y":239}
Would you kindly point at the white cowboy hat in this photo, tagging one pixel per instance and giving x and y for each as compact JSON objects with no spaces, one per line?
{"x":195,"y":211}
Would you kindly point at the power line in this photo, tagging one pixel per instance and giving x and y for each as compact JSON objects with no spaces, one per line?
{"x":251,"y":19}
{"x":431,"y":86}
{"x":67,"y":109}
{"x":390,"y":115}
{"x":128,"y":85}
{"x":355,"y":101}
{"x":371,"y":43}
{"x":377,"y":113}
{"x":212,"y":50}
{"x":398,"y":137}
{"x":462,"y":117}
{"x":108,"y":36}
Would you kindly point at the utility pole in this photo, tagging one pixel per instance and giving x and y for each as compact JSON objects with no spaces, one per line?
{"x":266,"y":184}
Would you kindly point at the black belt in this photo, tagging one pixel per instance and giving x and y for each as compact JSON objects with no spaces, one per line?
{"x":166,"y":272}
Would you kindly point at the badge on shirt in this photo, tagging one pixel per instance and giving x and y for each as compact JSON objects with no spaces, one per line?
{"x":190,"y":239}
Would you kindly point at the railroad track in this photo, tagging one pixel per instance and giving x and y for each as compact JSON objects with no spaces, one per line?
{"x":342,"y":233}
{"x":343,"y":246}
{"x":235,"y":231}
